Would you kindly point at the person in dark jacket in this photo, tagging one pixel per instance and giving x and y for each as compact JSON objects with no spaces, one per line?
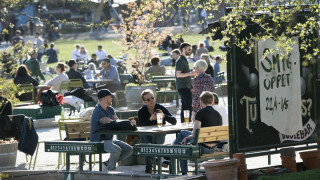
{"x":23,"y":77}
{"x":73,"y":74}
{"x":33,"y":66}
{"x":147,"y":116}
{"x":209,"y":70}
{"x":5,"y":106}
{"x":52,"y":54}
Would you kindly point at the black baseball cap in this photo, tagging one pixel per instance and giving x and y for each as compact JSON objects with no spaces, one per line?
{"x":104,"y":92}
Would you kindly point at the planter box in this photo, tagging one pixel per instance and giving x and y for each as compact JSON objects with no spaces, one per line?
{"x":8,"y":155}
{"x":38,"y":112}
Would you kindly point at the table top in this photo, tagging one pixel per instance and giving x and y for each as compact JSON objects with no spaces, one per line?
{"x":98,"y":80}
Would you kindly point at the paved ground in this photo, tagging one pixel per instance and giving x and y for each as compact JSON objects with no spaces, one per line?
{"x":48,"y":161}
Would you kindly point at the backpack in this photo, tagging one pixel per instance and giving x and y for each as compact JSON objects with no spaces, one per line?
{"x":48,"y":98}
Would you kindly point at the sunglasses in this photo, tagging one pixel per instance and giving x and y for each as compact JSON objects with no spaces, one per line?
{"x":149,"y":99}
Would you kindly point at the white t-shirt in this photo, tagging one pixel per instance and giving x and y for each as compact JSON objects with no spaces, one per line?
{"x":223,"y":112}
{"x":84,"y":56}
{"x":75,"y":54}
{"x":56,"y":82}
{"x":101,"y":54}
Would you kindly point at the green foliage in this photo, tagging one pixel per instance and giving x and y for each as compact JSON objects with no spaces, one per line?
{"x":8,"y":89}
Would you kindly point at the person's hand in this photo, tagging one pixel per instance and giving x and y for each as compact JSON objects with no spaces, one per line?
{"x":153,"y":117}
{"x":133,"y":122}
{"x":192,"y":73}
{"x":184,"y":140}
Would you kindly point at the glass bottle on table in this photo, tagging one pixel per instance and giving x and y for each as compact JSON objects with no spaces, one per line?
{"x":159,"y":120}
{"x":62,"y":113}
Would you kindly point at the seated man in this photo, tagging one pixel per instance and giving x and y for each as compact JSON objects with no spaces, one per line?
{"x":110,"y":72}
{"x":205,"y":117}
{"x":103,"y":114}
{"x":73,"y":74}
{"x":147,"y":116}
{"x":155,"y":68}
{"x":94,"y":60}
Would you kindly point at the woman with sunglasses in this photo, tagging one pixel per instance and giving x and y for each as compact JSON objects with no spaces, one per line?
{"x":147,"y":116}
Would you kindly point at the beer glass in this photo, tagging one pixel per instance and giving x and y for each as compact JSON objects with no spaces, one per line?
{"x":186,"y":114}
{"x":159,"y":120}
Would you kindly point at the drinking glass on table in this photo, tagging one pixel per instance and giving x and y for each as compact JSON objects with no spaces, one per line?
{"x":186,"y":114}
{"x":66,"y":112}
{"x":159,"y":120}
{"x":98,"y":75}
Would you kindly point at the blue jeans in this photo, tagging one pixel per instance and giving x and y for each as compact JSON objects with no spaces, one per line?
{"x":158,"y":139}
{"x":203,"y":148}
{"x":118,"y":150}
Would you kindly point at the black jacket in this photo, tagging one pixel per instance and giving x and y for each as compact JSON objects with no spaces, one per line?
{"x":73,"y":74}
{"x":144,"y":116}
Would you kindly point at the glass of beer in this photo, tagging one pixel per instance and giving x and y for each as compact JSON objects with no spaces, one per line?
{"x":186,"y":114}
{"x":98,"y":75}
{"x":159,"y":120}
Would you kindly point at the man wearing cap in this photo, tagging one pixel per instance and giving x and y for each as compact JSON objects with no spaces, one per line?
{"x":73,"y":74}
{"x":33,"y":65}
{"x":103,"y":114}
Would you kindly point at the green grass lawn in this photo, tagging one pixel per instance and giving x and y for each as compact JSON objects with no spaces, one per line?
{"x":67,"y":46}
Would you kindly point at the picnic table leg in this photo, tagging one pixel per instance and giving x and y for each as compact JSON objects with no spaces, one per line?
{"x":159,"y":166}
{"x":67,"y":161}
{"x":154,"y":159}
{"x":90,"y":162}
{"x":100,"y":162}
{"x":172,"y":166}
{"x":81,"y":162}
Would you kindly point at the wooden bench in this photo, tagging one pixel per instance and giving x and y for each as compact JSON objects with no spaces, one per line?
{"x":187,"y":152}
{"x":77,"y":131}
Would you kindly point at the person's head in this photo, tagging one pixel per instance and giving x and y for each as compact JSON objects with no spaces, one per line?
{"x":206,"y":98}
{"x":136,"y":64}
{"x":77,"y":46}
{"x":148,"y":98}
{"x":45,"y":41}
{"x":60,"y":68}
{"x":185,"y":49}
{"x":200,"y":66}
{"x":215,"y":99}
{"x":37,"y":35}
{"x":22,"y":71}
{"x":105,"y":97}
{"x":175,"y":54}
{"x":208,"y":37}
{"x":155,"y":61}
{"x":72,"y":63}
{"x":18,"y":33}
{"x":110,"y":56}
{"x":82,"y":50}
{"x":99,"y":48}
{"x":93,"y":56}
{"x":218,"y":59}
{"x":92,"y":66}
{"x":33,"y":54}
{"x":201,"y":45}
{"x":206,"y":57}
{"x":52,"y":45}
{"x":105,"y":63}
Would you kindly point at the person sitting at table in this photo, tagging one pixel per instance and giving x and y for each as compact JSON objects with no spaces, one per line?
{"x":76,"y":52}
{"x":155,"y":68}
{"x":205,"y":117}
{"x":22,"y":76}
{"x":101,"y":53}
{"x":94,"y":60}
{"x":90,"y":73}
{"x":52,"y":54}
{"x":113,"y":61}
{"x":55,"y":82}
{"x":33,"y":65}
{"x":110,"y":72}
{"x":217,"y":70}
{"x":103,"y":114}
{"x":73,"y":74}
{"x":202,"y":82}
{"x":147,"y":116}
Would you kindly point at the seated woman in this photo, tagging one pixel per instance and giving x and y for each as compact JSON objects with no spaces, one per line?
{"x":155,"y":68}
{"x":55,"y":82}
{"x":147,"y":116}
{"x":90,"y":73}
{"x":209,"y":70}
{"x":22,"y":76}
{"x":205,"y":117}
